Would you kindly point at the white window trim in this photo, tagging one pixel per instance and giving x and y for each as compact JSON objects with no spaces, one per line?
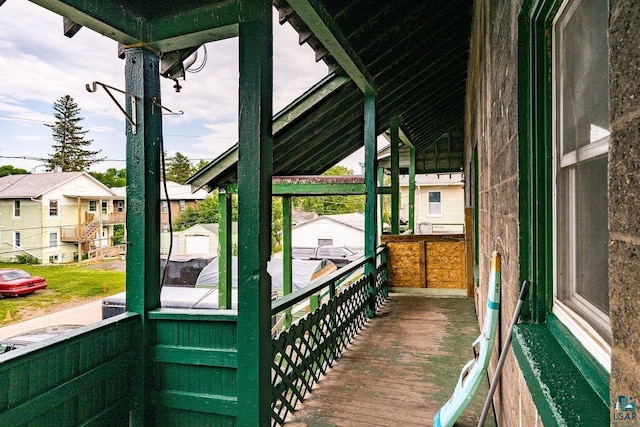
{"x":429,"y":213}
{"x":95,"y":206}
{"x":14,"y":209}
{"x":57,"y":243}
{"x":15,"y":234}
{"x":57,"y":215}
{"x":591,"y":339}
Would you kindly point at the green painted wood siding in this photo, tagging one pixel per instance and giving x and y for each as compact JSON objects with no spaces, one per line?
{"x":195,"y":367}
{"x":84,"y":377}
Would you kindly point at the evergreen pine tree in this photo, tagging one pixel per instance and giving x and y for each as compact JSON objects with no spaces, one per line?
{"x":179,"y":168}
{"x":71,"y":148}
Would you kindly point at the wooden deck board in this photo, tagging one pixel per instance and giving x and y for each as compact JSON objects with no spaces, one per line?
{"x":400,"y":368}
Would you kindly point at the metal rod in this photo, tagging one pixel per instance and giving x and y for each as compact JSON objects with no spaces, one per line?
{"x":503,"y":355}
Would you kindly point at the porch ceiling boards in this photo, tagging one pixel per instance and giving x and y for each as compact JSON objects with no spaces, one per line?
{"x":416,"y":54}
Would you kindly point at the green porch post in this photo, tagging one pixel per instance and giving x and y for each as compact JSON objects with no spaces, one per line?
{"x":225,"y":287}
{"x":395,"y":176}
{"x":255,"y":168}
{"x":370,"y":235}
{"x":412,"y":189}
{"x":143,"y":214}
{"x":287,"y":272}
{"x":380,"y":208}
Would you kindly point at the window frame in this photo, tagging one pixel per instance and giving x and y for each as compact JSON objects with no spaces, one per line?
{"x":55,"y":244}
{"x":93,"y":206}
{"x":17,"y":239}
{"x":51,"y":208}
{"x":588,"y":323}
{"x":429,"y":213}
{"x":536,"y":179}
{"x":17,"y":208}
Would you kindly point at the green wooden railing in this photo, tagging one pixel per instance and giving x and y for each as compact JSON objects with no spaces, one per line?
{"x":309,"y":346}
{"x":81,"y":378}
{"x":195,"y":363}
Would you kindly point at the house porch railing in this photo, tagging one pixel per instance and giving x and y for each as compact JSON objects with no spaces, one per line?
{"x":90,"y":377}
{"x":310,"y":346}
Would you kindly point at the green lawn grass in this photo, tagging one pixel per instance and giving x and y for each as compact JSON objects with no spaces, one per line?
{"x":66,"y":284}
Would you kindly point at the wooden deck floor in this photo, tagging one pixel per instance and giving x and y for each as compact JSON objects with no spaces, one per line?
{"x":400,"y":369}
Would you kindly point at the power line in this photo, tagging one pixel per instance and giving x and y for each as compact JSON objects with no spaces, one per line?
{"x":104,"y":129}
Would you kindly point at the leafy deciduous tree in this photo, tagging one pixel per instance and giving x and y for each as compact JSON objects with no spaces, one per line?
{"x":10,"y":170}
{"x":331,"y":205}
{"x":112,"y":177}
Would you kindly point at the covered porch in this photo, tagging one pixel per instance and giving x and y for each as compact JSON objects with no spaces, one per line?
{"x":395,"y":67}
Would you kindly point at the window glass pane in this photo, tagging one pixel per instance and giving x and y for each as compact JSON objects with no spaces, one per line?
{"x":53,"y":208}
{"x":582,"y":73}
{"x":593,"y":233}
{"x":582,"y":130}
{"x":435,"y":206}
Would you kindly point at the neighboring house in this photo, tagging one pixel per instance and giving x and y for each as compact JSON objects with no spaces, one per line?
{"x":199,"y":239}
{"x":180,"y":197}
{"x":337,"y":230}
{"x":439,"y":202}
{"x":56,"y":217}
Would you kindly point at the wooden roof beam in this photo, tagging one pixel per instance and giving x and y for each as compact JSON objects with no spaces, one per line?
{"x":191,"y":27}
{"x":282,"y":119}
{"x":326,"y":31}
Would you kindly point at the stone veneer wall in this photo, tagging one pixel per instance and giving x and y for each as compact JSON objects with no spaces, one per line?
{"x":624,"y":195}
{"x":492,"y":123}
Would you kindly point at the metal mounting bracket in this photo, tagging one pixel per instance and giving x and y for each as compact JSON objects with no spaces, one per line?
{"x":130,"y":118}
{"x":154,"y":102}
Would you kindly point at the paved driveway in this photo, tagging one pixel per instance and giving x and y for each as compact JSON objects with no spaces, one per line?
{"x":80,"y":315}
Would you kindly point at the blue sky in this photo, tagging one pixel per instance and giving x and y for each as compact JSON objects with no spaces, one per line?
{"x":40,"y":65}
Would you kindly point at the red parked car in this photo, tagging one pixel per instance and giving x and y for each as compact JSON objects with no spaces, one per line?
{"x":14,"y":282}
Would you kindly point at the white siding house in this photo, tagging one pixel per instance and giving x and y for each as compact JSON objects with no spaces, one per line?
{"x":55,"y":216}
{"x":337,"y":230}
{"x":439,"y":201}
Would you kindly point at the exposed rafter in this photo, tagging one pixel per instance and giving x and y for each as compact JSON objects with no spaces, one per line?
{"x":321,"y":24}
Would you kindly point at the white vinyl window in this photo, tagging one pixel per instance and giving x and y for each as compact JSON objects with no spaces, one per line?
{"x":17,"y":239}
{"x":103,"y":207}
{"x":53,"y":240}
{"x":16,"y":208}
{"x":93,"y":205}
{"x":581,"y":144}
{"x":182,"y":205}
{"x":435,"y":203}
{"x":53,"y":208}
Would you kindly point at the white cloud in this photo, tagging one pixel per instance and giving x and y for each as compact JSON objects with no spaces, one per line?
{"x":40,"y":65}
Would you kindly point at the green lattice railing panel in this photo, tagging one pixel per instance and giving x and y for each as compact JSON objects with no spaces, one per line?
{"x":306,"y":350}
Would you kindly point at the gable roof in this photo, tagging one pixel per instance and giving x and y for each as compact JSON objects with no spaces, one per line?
{"x":34,"y":185}
{"x":176,"y":192}
{"x":351,"y":220}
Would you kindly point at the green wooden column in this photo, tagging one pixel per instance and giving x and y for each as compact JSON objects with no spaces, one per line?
{"x":287,"y":266}
{"x":226,"y":249}
{"x":380,"y":208}
{"x":412,"y":189}
{"x":143,"y":214}
{"x":395,"y":176}
{"x":255,"y":166}
{"x":370,"y":152}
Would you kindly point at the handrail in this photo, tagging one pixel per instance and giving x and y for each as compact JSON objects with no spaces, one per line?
{"x":295,"y":297}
